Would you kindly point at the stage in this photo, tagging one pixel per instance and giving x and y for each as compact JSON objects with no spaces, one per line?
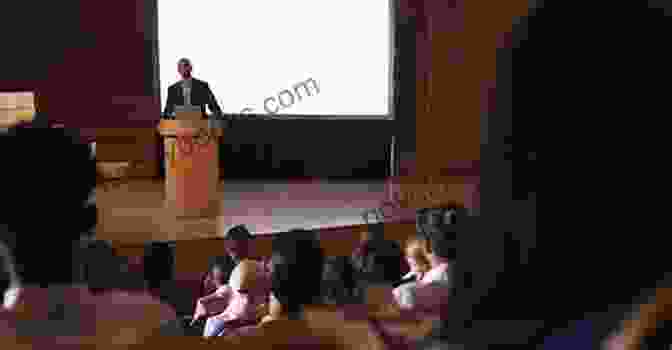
{"x":133,"y":212}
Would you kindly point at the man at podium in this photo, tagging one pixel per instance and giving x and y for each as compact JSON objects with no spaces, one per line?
{"x":190,"y":92}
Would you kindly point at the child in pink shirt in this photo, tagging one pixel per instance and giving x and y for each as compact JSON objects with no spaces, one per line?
{"x":246,"y":293}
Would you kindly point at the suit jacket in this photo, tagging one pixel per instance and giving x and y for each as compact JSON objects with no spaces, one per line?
{"x":201,"y":95}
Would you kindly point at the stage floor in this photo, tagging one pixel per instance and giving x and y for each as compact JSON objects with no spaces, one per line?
{"x":133,"y":212}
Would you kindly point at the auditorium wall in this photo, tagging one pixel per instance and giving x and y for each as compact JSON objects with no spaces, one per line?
{"x":456,"y":50}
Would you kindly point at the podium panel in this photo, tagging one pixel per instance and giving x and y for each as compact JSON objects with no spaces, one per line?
{"x":192,"y":168}
{"x":189,"y":115}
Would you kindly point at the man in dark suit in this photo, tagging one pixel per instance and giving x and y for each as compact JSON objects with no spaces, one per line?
{"x":190,"y":92}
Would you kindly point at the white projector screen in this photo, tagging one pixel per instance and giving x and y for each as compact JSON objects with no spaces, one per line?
{"x":291,"y":58}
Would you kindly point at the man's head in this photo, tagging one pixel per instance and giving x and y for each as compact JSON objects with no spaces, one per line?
{"x":51,"y":175}
{"x":237,"y":242}
{"x":184,"y":67}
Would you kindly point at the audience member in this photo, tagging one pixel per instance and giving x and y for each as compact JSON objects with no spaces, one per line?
{"x":101,"y":267}
{"x":441,"y":255}
{"x":373,"y":236}
{"x":216,"y":293}
{"x":158,"y":266}
{"x":246,"y":292}
{"x":296,"y":275}
{"x":430,"y":294}
{"x":377,"y":261}
{"x":417,"y":259}
{"x":51,"y":307}
{"x":213,"y":296}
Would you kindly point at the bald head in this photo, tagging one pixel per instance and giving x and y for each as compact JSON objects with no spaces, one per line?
{"x":184,"y":67}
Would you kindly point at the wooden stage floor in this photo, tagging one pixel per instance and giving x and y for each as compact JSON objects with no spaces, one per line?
{"x":133,"y":212}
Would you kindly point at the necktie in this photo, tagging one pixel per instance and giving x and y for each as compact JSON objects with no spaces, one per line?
{"x":187,"y":95}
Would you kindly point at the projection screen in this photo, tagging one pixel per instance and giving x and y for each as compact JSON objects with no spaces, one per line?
{"x":293,"y":58}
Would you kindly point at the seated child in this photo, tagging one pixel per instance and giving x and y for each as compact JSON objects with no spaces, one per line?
{"x":247,"y":292}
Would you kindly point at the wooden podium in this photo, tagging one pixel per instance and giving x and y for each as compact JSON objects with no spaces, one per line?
{"x":191,"y":150}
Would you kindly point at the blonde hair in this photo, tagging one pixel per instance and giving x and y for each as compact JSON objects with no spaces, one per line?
{"x":416,"y":248}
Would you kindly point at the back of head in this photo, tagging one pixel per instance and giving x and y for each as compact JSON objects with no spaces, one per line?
{"x":52,"y":175}
{"x":382,"y":262}
{"x":238,"y":232}
{"x":297,"y":266}
{"x":158,"y":263}
{"x":101,"y":266}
